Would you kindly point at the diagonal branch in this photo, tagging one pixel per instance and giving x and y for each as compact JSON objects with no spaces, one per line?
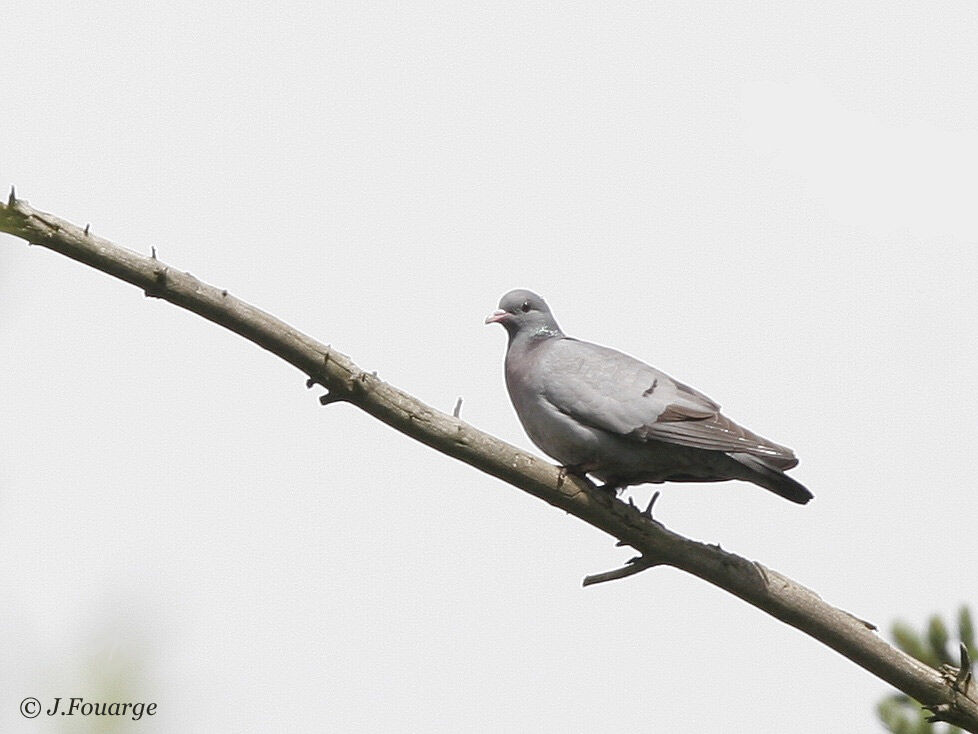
{"x":767,"y":590}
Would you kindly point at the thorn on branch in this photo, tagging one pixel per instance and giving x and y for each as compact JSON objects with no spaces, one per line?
{"x":12,"y":199}
{"x":314,"y":379}
{"x":634,"y":566}
{"x":330,"y":398}
{"x":152,"y":252}
{"x":87,"y":225}
{"x":458,"y":407}
{"x":332,"y":395}
{"x":358,"y":379}
{"x":962,"y":681}
{"x":648,"y":510}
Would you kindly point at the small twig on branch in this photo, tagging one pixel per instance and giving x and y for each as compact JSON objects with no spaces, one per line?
{"x":766,"y":589}
{"x":963,"y":680}
{"x":648,"y":510}
{"x":632,"y":567}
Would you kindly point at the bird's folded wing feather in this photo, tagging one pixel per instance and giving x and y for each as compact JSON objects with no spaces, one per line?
{"x":607,"y":389}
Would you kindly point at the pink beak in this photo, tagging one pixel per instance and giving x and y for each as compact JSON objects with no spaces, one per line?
{"x":496,"y":316}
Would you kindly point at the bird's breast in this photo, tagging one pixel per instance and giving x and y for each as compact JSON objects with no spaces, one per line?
{"x":555,"y":433}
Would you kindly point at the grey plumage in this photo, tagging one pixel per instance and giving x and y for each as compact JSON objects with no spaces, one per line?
{"x":601,"y":412}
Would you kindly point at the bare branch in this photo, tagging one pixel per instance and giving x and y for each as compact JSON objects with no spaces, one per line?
{"x":950,"y":698}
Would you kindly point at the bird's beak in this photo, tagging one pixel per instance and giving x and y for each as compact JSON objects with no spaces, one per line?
{"x":496,"y":316}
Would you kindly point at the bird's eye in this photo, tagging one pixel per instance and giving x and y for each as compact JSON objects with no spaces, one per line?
{"x":525,"y":307}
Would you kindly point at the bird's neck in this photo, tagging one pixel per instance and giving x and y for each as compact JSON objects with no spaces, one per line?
{"x":528,"y":337}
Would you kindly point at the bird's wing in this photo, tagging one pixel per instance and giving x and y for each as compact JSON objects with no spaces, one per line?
{"x":607,"y":389}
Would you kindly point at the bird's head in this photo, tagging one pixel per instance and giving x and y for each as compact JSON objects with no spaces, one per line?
{"x":524,"y":312}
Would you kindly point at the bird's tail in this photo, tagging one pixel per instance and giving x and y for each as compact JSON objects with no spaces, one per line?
{"x":772,"y":479}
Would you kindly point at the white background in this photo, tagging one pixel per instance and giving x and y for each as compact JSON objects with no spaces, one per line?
{"x":774,"y":203}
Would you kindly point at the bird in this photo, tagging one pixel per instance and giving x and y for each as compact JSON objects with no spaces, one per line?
{"x":601,"y":412}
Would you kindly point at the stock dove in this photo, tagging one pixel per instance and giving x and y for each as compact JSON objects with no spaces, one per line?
{"x":601,"y":412}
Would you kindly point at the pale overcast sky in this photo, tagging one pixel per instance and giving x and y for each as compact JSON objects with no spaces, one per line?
{"x":774,"y":202}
